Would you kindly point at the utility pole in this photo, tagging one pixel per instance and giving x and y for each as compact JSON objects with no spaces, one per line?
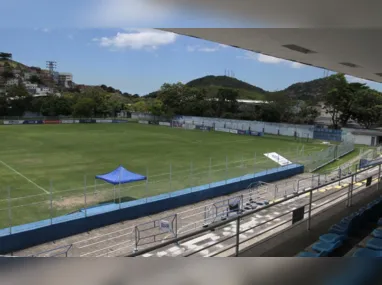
{"x":51,"y":66}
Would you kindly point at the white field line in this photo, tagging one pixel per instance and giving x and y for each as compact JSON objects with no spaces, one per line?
{"x":106,"y":187}
{"x":23,"y":176}
{"x":259,"y":160}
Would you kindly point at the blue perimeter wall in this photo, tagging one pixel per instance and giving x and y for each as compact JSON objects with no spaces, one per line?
{"x":29,"y":235}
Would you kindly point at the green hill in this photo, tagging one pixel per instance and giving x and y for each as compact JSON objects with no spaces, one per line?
{"x":212,"y":84}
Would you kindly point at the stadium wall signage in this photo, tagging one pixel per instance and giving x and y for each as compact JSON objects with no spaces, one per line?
{"x":167,"y":124}
{"x":14,"y":122}
{"x":203,"y":128}
{"x":233,"y":132}
{"x":52,"y":122}
{"x":143,"y":122}
{"x":104,"y":121}
{"x":176,"y":124}
{"x":241,"y":132}
{"x":223,"y":130}
{"x":87,"y":121}
{"x":33,"y":122}
{"x":70,"y":121}
{"x":256,"y":134}
{"x":153,"y":123}
{"x":119,"y":121}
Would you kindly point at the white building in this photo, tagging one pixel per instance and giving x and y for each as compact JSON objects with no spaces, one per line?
{"x":27,"y":76}
{"x":43,"y":91}
{"x":367,"y":137}
{"x":12,"y":82}
{"x":65,"y":79}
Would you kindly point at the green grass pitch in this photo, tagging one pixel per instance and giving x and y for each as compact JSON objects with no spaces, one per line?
{"x":40,"y":161}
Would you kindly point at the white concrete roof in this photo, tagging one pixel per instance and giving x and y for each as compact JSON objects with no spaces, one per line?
{"x":357,"y":52}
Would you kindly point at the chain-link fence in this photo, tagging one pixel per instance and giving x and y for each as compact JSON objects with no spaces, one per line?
{"x":85,"y":191}
{"x":316,"y":160}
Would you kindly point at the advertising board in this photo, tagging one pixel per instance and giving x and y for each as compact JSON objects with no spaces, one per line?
{"x":13,"y":122}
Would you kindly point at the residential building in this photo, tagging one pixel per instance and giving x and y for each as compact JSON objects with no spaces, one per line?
{"x":27,"y":76}
{"x":43,"y":91}
{"x":65,"y":79}
{"x":31,"y":87}
{"x":12,"y":82}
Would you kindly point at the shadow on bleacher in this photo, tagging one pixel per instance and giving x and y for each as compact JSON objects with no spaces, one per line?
{"x":357,"y":235}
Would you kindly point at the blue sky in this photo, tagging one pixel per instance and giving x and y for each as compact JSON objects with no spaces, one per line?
{"x":86,"y":38}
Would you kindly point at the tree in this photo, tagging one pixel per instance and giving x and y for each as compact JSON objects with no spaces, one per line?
{"x":140,"y":107}
{"x":172,"y":97}
{"x":56,"y":106}
{"x":5,"y":56}
{"x":227,"y":101}
{"x":336,"y":99}
{"x":156,"y":108}
{"x":18,"y":100}
{"x":367,"y":108}
{"x":307,"y":115}
{"x":35,"y":79}
{"x":84,"y":108}
{"x":8,"y":72}
{"x":100,"y":99}
{"x":340,"y":100}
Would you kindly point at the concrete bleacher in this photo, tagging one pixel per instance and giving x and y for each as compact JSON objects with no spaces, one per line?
{"x":295,"y":239}
{"x":359,"y":234}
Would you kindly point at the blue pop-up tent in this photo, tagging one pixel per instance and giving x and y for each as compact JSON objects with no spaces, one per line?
{"x":120,"y":176}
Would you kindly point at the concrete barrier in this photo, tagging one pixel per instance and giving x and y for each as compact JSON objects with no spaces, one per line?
{"x":29,"y":235}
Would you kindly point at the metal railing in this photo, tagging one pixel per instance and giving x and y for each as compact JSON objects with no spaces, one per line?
{"x":55,"y":252}
{"x":351,"y":186}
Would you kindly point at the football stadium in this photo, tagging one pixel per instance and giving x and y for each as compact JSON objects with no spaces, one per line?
{"x":108,"y":187}
{"x":41,"y":163}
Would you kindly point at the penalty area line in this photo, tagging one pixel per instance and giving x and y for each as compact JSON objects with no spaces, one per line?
{"x":26,"y":178}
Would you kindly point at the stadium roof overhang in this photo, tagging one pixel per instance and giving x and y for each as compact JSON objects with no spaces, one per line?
{"x":355,"y":52}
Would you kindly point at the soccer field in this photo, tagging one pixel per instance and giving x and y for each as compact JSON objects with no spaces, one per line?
{"x":44,"y":163}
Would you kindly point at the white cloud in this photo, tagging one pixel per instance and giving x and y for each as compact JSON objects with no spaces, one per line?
{"x":137,"y":39}
{"x":269,"y":59}
{"x":297,"y":65}
{"x":223,"y":46}
{"x":122,"y":13}
{"x":206,"y":49}
{"x":354,"y":79}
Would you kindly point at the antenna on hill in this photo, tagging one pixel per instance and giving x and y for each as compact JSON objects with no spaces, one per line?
{"x":51,"y":65}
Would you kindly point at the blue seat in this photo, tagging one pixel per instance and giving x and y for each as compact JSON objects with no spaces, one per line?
{"x":308,"y":254}
{"x":326,"y":247}
{"x":332,"y":238}
{"x":374,"y":243}
{"x":367,"y":252}
{"x":377,"y":233}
